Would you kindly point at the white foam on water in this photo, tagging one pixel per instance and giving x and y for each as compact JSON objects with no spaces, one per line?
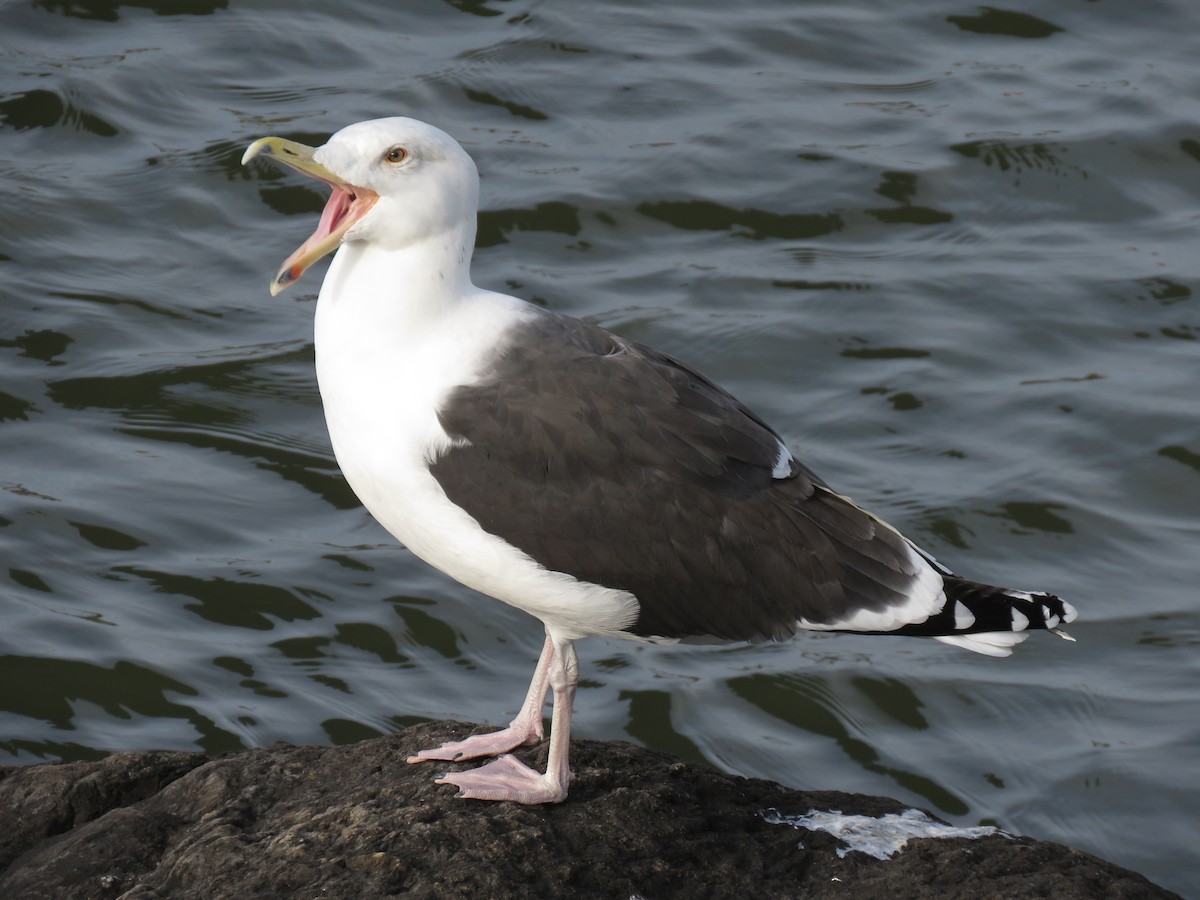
{"x":880,"y":838}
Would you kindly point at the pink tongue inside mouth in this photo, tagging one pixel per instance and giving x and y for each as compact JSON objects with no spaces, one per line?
{"x":335,"y":210}
{"x":337,"y":207}
{"x":342,"y":210}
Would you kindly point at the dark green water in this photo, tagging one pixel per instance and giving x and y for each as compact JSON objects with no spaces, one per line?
{"x":950,"y":252}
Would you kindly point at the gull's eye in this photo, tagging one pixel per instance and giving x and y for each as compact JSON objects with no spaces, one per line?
{"x":396,"y":155}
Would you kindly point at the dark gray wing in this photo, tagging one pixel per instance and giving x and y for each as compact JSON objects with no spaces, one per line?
{"x":604,"y":459}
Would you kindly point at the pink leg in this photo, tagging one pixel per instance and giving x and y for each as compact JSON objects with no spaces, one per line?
{"x":508,"y":779}
{"x":526,"y":728}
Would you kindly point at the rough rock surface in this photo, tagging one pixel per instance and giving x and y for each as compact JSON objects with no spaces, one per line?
{"x":357,"y":822}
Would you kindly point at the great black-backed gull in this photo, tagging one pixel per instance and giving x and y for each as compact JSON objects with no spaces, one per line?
{"x":597,"y":484}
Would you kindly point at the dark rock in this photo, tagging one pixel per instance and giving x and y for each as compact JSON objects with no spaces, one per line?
{"x":358,"y":822}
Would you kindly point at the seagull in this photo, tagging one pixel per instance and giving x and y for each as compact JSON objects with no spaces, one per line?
{"x":602,"y":486}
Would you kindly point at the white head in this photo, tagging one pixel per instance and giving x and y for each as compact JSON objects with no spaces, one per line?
{"x":394,"y":183}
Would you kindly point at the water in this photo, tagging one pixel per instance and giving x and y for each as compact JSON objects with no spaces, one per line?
{"x":949,"y":253}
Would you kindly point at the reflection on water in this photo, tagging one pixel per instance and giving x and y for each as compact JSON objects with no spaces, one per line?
{"x":1006,"y":23}
{"x":951,"y":258}
{"x":110,"y":10}
{"x":1181,"y":455}
{"x":803,"y":703}
{"x":45,"y":109}
{"x":755,"y":223}
{"x":650,"y":723}
{"x":53,"y":691}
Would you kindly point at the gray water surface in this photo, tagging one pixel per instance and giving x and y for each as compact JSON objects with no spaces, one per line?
{"x":948,"y":251}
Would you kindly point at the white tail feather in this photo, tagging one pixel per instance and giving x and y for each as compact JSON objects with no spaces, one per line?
{"x":989,"y":643}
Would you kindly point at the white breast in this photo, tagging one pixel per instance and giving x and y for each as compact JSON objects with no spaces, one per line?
{"x":386,"y":361}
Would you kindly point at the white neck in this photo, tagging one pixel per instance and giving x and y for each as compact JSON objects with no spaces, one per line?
{"x":401,"y":288}
{"x":396,"y":331}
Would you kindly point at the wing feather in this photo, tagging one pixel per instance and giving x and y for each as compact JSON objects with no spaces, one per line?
{"x":616,"y":464}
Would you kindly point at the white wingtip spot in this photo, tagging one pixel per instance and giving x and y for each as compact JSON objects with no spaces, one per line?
{"x":1069,"y":612}
{"x":963,"y":617}
{"x":1020,"y":621}
{"x":783,"y":463}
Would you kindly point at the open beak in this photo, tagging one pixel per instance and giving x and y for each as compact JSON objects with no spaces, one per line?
{"x":347,"y":205}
